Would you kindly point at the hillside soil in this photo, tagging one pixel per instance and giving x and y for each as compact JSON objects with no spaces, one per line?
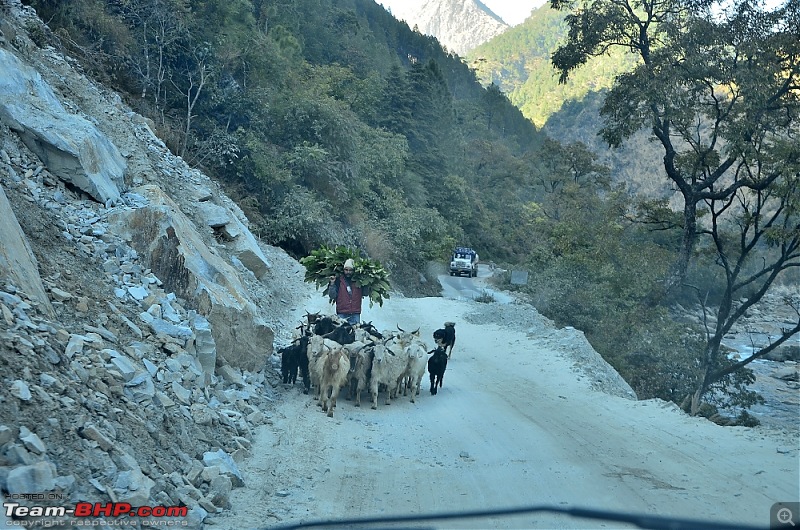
{"x":519,"y":422}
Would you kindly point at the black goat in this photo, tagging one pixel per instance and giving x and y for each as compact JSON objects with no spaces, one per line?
{"x":311,"y":318}
{"x":294,"y":358}
{"x":372,"y":330}
{"x":437,"y":364}
{"x":446,"y":337}
{"x":334,"y":329}
{"x":344,"y":334}
{"x":324,"y":325}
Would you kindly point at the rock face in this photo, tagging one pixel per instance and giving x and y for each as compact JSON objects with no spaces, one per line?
{"x":173,"y":248}
{"x":71,"y":147}
{"x":229,"y":227}
{"x":460,"y":25}
{"x":16,"y":258}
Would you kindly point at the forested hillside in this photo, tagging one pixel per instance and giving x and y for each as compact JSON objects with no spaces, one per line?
{"x":332,"y":123}
{"x":518,"y":61}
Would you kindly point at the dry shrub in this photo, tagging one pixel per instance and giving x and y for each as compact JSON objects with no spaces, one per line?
{"x":377,"y":244}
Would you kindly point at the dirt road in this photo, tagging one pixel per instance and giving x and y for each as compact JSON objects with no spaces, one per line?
{"x":516,"y":424}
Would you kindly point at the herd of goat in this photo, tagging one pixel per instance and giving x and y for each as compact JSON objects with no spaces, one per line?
{"x":331,"y":354}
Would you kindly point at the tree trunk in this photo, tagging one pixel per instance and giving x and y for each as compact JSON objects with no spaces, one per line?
{"x":688,"y":241}
{"x":703,"y":382}
{"x":695,"y":408}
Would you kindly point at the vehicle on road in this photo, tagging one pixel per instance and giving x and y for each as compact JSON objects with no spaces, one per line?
{"x":464,"y":261}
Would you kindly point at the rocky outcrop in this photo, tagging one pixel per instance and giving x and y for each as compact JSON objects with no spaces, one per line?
{"x":70,"y":146}
{"x":16,"y":258}
{"x":172,"y":247}
{"x":229,"y":228}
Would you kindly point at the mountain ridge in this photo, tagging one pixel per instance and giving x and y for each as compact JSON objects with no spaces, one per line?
{"x":459,"y":25}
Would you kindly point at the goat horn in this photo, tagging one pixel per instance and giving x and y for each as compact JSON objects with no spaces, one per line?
{"x":401,"y":329}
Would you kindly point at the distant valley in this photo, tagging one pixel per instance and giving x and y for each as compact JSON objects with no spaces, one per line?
{"x":517,"y":60}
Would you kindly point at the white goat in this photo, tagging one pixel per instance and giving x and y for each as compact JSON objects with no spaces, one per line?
{"x":387,"y":368}
{"x":335,"y":369}
{"x":416,"y":363}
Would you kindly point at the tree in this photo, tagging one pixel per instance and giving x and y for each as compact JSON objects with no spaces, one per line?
{"x":720,"y":89}
{"x":567,"y":170}
{"x":717,"y":94}
{"x":753,"y":249}
{"x":495,"y":103}
{"x":396,"y":102}
{"x":195,"y":76}
{"x":159,"y":29}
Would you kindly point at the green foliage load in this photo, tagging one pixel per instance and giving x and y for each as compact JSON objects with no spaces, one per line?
{"x":325,"y":262}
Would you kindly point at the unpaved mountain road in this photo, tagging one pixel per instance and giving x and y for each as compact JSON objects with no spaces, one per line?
{"x":516,"y":424}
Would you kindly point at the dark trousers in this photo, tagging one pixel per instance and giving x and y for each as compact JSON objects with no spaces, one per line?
{"x":353,"y":319}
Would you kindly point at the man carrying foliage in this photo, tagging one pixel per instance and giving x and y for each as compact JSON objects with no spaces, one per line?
{"x":347,"y":278}
{"x":347,"y":294}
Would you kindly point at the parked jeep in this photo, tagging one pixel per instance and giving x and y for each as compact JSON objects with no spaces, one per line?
{"x":464,"y":261}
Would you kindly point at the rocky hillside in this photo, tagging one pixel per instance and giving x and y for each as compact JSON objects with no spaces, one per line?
{"x":460,"y":25}
{"x":137,"y":310}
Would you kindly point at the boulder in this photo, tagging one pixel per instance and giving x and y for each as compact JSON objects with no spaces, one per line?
{"x":70,"y":146}
{"x":245,"y":247}
{"x":20,"y":390}
{"x":213,"y":215}
{"x":17,"y":261}
{"x":785,"y":352}
{"x":174,"y":249}
{"x":226,"y":465}
{"x":133,"y":487}
{"x":91,"y":432}
{"x":205,"y":347}
{"x":220,"y":490}
{"x":35,"y":478}
{"x":239,"y":240}
{"x":141,"y":388}
{"x":788,"y":373}
{"x":31,"y":441}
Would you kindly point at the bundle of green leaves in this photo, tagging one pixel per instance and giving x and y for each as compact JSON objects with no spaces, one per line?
{"x":325,"y":262}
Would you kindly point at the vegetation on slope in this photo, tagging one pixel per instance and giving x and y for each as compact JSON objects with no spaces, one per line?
{"x":518,"y":61}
